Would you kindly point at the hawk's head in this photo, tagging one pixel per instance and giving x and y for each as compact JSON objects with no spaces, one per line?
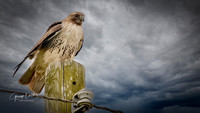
{"x":76,"y":18}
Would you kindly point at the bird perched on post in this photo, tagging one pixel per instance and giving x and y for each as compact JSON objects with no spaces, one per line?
{"x":62,"y":41}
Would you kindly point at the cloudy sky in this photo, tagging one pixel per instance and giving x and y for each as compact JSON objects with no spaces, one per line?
{"x":140,"y":56}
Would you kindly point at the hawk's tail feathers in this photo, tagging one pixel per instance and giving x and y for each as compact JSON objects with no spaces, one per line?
{"x":34,"y":77}
{"x":27,"y":76}
{"x":37,"y":83}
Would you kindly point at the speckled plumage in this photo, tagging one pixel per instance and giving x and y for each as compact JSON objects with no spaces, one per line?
{"x":65,"y":45}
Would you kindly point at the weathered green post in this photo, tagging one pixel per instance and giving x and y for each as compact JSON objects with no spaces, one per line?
{"x":63,"y":80}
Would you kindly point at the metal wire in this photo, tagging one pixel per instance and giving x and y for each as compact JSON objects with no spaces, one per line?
{"x":57,"y":99}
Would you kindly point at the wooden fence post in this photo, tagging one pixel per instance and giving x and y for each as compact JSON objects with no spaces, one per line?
{"x":63,"y":80}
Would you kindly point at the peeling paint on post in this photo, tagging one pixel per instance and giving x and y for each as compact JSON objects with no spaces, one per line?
{"x":63,"y":80}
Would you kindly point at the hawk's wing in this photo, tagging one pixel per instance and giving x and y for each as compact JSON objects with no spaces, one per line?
{"x":80,"y":45}
{"x":55,"y":27}
{"x":51,"y":31}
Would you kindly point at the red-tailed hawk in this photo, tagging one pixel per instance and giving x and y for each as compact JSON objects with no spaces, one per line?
{"x":62,"y":40}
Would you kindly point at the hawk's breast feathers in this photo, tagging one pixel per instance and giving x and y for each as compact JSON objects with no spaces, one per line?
{"x":64,"y":44}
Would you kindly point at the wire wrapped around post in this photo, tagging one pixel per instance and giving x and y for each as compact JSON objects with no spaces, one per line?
{"x":63,"y":80}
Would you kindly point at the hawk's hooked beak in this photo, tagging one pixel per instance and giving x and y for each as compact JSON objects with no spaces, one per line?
{"x":82,"y":18}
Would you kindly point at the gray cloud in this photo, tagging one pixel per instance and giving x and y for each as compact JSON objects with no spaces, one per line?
{"x":140,"y":56}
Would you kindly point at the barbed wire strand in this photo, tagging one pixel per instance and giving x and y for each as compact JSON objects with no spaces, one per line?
{"x":108,"y":109}
{"x":57,"y":99}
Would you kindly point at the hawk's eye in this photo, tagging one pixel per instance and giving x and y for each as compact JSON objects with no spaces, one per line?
{"x":76,"y":15}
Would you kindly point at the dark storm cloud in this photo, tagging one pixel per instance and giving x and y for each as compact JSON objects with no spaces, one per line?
{"x":140,"y":56}
{"x":163,"y":47}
